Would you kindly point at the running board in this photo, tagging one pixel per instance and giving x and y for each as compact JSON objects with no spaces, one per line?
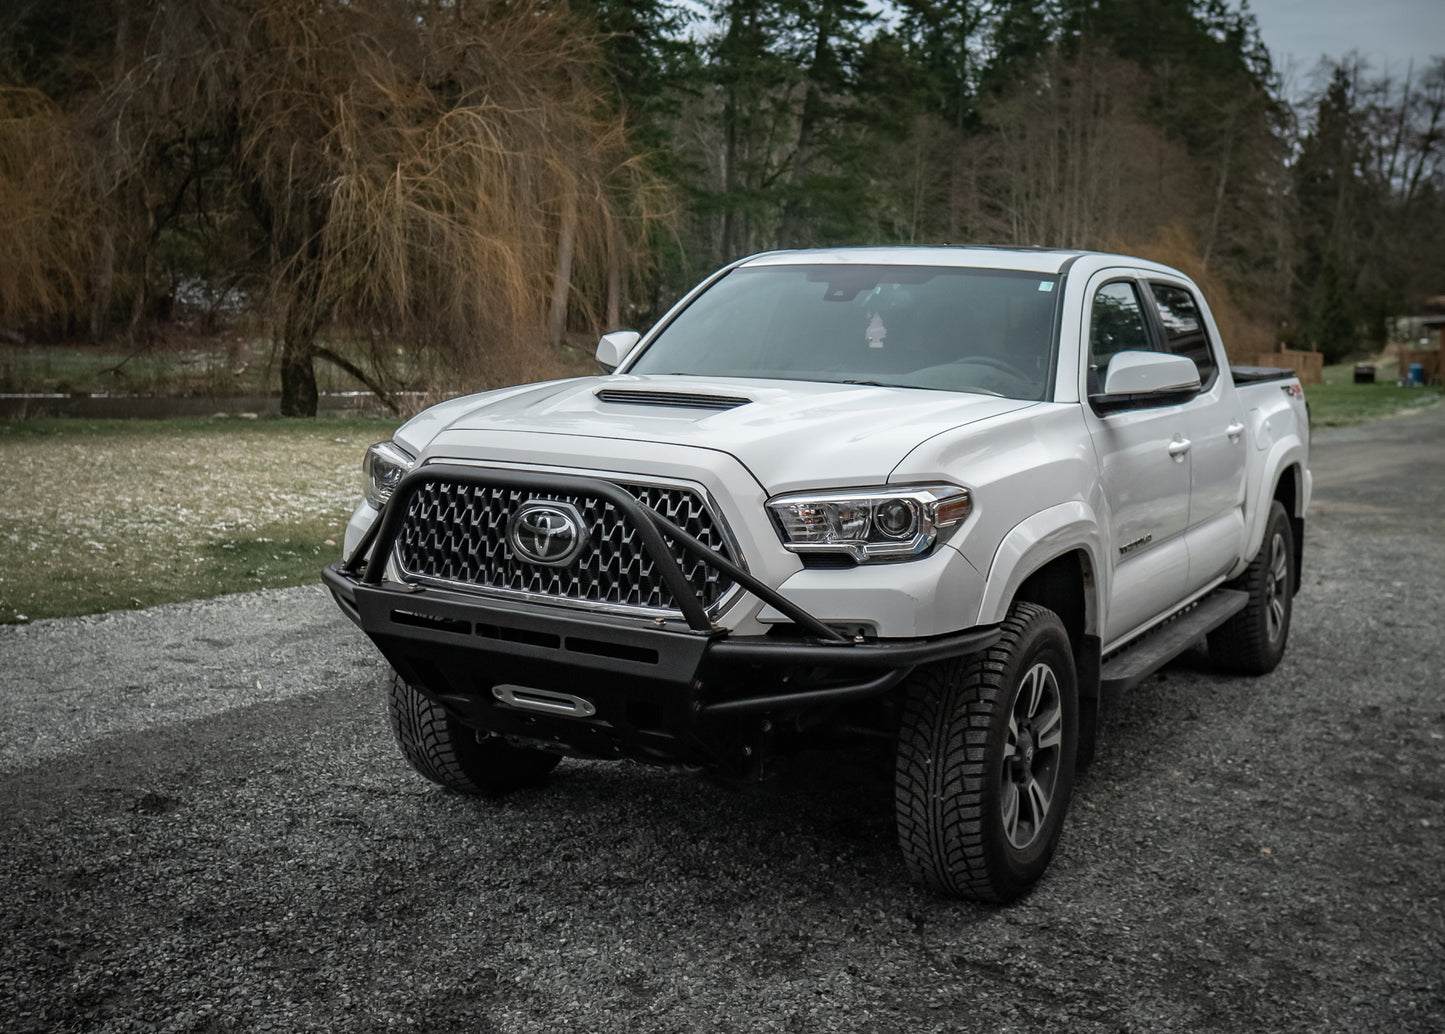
{"x":1132,"y":665}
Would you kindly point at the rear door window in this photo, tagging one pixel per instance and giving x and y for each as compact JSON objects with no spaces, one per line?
{"x":1183,"y":324}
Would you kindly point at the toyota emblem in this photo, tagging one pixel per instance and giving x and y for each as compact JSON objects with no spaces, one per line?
{"x":547,"y":533}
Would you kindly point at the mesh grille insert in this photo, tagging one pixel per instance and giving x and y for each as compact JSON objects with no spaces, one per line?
{"x":457,"y":532}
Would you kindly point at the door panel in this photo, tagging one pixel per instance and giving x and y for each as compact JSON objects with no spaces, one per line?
{"x":1217,"y":440}
{"x":1216,"y":494}
{"x":1144,"y":482}
{"x":1147,"y":494}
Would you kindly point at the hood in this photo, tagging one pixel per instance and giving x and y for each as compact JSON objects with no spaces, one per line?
{"x":787,"y":433}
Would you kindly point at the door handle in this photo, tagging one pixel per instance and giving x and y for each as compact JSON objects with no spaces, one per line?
{"x":1234,"y":431}
{"x":1178,"y":447}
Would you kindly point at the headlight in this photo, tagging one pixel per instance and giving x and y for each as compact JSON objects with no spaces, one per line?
{"x":385,"y":464}
{"x":888,"y":523}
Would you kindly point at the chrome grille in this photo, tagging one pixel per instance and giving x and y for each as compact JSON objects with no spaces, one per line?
{"x":456,"y":533}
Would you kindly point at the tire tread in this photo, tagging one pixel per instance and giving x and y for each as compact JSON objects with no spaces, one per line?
{"x":1241,"y":644}
{"x":940,"y":778}
{"x":448,"y":752}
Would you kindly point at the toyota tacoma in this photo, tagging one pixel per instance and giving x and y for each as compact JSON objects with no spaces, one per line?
{"x":952,"y":497}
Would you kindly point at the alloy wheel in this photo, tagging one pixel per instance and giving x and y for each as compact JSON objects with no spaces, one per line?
{"x":1031,"y":756}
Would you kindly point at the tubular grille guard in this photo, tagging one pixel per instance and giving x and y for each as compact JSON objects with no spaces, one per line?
{"x":649,"y":526}
{"x":456,"y":532}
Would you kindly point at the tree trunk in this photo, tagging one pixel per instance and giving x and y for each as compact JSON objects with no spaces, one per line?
{"x":298,"y":372}
{"x":730,"y":248}
{"x":614,"y":280}
{"x":122,"y":39}
{"x":102,"y":283}
{"x":298,"y":346}
{"x":138,"y":303}
{"x":562,"y":282}
{"x":1219,"y":193}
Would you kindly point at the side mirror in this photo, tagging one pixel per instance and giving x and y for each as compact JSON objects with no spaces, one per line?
{"x":1140,"y":376}
{"x":613,"y":348}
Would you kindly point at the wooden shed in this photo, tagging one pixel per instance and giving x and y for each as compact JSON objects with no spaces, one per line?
{"x":1429,"y":355}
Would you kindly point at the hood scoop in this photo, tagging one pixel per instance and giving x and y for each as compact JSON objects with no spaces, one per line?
{"x":671,"y":399}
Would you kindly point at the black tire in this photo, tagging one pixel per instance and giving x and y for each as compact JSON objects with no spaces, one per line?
{"x":448,"y":752}
{"x":1253,"y":641}
{"x":977,"y":817}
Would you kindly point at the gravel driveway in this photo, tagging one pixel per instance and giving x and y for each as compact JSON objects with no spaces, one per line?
{"x":206,"y":827}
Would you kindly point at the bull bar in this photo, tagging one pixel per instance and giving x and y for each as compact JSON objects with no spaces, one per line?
{"x":655,"y":680}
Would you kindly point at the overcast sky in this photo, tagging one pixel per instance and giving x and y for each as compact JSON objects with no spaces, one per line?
{"x":1299,"y":32}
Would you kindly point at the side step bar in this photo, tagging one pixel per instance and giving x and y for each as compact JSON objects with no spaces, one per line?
{"x":1132,"y":665}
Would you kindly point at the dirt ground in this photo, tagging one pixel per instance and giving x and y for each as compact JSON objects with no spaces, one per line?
{"x":207,"y":828}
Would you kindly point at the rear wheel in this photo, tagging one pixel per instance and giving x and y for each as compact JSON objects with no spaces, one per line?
{"x":449,"y":752}
{"x":1253,"y":641}
{"x":985,"y":763}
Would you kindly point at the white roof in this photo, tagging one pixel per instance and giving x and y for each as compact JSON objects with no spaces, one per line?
{"x":1029,"y":260}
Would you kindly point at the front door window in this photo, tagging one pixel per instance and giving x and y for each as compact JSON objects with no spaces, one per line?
{"x":1116,"y":325}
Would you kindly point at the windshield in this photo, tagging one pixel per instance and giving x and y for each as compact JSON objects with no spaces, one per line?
{"x":951,"y":329}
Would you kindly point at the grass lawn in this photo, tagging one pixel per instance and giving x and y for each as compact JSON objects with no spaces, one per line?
{"x":1339,"y":402}
{"x":112,"y":514}
{"x":106,"y":515}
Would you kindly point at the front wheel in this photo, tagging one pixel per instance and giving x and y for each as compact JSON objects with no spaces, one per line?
{"x":449,"y":752}
{"x":985,"y":763}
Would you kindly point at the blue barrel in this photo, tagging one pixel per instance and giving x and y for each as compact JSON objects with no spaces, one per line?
{"x":1416,"y":374}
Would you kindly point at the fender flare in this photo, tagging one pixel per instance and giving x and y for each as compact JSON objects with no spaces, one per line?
{"x":1032,"y":543}
{"x":1285,"y":458}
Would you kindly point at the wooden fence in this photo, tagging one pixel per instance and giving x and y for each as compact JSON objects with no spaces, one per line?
{"x":1429,"y":358}
{"x":1308,"y":366}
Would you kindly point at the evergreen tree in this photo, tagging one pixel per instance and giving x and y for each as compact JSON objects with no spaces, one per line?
{"x":652,"y":64}
{"x":824,"y":181}
{"x":1021,"y":33}
{"x":1329,"y":193}
{"x":753,"y":83}
{"x":942,"y":37}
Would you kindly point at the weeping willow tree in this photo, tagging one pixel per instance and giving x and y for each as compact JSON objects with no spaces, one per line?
{"x":443,"y":176}
{"x":48,"y":209}
{"x":444,"y":171}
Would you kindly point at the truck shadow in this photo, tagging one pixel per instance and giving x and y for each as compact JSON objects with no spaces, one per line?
{"x":822,"y":812}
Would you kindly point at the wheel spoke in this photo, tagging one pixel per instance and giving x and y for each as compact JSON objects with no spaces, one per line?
{"x":1036,"y":681}
{"x":1029,"y":694}
{"x":1276,"y":616}
{"x":1038,"y":802}
{"x":1011,"y":810}
{"x":1049,"y":732}
{"x":1279,"y":561}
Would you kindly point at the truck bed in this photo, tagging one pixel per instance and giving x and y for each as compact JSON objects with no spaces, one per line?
{"x":1259,"y":374}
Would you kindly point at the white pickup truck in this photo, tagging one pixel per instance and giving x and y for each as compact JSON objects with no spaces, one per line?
{"x":954,"y":497}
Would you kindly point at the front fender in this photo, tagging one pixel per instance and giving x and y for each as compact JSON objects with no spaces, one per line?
{"x":1032,"y":543}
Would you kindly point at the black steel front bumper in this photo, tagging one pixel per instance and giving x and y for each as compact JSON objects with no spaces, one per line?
{"x":660,"y":688}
